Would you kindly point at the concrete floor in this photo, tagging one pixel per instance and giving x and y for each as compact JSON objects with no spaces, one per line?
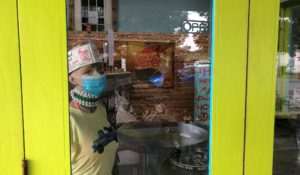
{"x":286,"y":153}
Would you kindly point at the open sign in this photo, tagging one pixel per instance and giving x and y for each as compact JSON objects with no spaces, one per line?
{"x":193,"y":26}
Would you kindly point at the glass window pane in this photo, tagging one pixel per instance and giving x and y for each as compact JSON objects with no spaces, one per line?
{"x":140,"y":87}
{"x":287,"y":119}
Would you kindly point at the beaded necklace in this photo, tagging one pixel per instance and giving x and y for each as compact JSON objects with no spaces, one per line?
{"x":84,"y":99}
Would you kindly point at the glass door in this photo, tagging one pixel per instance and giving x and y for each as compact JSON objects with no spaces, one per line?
{"x":162,"y":87}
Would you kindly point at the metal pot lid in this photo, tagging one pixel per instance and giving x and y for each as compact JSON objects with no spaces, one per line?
{"x":161,"y":135}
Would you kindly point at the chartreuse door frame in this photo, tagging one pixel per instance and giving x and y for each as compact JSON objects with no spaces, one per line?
{"x":228,"y":86}
{"x":11,"y":130}
{"x":238,"y":48}
{"x":43,"y":48}
{"x":261,"y":86}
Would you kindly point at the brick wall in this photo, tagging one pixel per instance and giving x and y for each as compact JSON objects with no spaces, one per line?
{"x":175,"y":100}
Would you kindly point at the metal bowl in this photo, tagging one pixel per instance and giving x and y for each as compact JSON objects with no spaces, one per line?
{"x":161,"y":135}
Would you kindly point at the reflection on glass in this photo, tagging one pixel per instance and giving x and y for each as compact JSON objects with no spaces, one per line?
{"x":152,"y":117}
{"x":287,"y":123}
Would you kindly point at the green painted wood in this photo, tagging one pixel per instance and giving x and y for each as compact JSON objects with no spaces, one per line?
{"x":11,"y":130}
{"x":45,"y":86}
{"x":261,"y":86}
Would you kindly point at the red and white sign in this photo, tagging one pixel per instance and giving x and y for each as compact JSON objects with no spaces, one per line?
{"x":148,"y":58}
{"x":81,"y":56}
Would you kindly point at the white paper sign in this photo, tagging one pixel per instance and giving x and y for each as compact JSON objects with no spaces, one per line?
{"x":110,"y":39}
{"x":93,"y":17}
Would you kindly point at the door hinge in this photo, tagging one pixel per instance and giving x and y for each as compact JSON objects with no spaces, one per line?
{"x":24,"y":167}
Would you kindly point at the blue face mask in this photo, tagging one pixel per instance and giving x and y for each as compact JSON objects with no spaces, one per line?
{"x":94,"y":85}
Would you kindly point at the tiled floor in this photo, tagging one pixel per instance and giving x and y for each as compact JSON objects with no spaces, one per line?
{"x":286,"y":154}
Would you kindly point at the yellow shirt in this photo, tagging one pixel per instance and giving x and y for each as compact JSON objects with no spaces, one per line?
{"x":84,"y":130}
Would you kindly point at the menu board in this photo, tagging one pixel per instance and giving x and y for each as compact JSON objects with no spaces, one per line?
{"x":202,"y":92}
